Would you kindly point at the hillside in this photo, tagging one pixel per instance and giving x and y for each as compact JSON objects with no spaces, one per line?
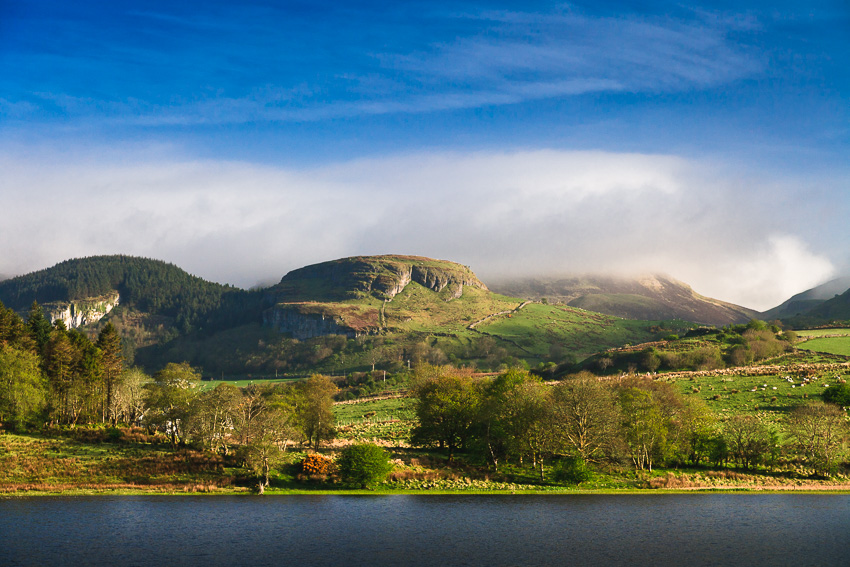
{"x":645,"y":298}
{"x":149,"y":300}
{"x":832,"y":311}
{"x":806,"y":301}
{"x":348,"y":314}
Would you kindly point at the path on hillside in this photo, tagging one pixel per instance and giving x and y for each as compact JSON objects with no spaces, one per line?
{"x":472,"y":326}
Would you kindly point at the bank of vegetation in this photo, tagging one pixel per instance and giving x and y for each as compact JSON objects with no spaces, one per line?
{"x":76,"y":417}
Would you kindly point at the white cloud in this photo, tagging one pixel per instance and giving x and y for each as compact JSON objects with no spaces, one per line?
{"x":530,"y":212}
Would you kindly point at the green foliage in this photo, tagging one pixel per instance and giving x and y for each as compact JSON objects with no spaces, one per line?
{"x":819,"y":432}
{"x":22,"y":387}
{"x":447,"y":404}
{"x":170,"y":398}
{"x":838,"y":394}
{"x":144,"y":285}
{"x":363,"y":465}
{"x":314,"y":409}
{"x":571,"y":470}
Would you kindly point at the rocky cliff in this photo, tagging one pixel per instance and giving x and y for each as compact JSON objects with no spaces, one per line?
{"x":81,"y":312}
{"x":339,"y":297}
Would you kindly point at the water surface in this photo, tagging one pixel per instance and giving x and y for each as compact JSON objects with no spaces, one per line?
{"x":398,"y":530}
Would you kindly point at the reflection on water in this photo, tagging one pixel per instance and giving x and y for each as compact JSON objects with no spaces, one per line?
{"x":648,"y":529}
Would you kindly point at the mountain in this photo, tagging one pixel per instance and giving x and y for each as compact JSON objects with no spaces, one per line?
{"x":351,"y":296}
{"x":646,"y":298}
{"x":152,"y":301}
{"x":334,"y":317}
{"x":802,"y":303}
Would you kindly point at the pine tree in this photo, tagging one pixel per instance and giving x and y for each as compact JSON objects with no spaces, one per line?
{"x":112,"y":362}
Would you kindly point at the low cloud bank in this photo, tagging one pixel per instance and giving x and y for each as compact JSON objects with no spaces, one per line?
{"x":728,"y":233}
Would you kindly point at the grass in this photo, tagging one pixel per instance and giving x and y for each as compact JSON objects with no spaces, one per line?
{"x":770,"y":397}
{"x":832,"y":345}
{"x":822,"y":332}
{"x":241,"y":383}
{"x":388,"y":420}
{"x":82,"y":461}
{"x":582,"y":332}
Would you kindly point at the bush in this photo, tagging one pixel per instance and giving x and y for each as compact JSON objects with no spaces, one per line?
{"x":363,"y":465}
{"x":315,"y":464}
{"x":838,"y":394}
{"x":571,"y":470}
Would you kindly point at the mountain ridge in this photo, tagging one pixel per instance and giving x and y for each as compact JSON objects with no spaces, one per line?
{"x":653,"y":296}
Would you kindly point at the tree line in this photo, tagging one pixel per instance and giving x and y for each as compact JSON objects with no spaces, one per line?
{"x":151,"y":286}
{"x":517,"y":418}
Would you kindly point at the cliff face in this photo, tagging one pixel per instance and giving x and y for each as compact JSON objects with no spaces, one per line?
{"x":82,"y":312}
{"x":305,"y":325}
{"x":339,"y":297}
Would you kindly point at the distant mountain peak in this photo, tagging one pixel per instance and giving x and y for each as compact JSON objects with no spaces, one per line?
{"x":648,"y":297}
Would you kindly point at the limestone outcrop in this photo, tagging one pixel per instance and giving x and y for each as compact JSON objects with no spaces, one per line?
{"x":81,"y":312}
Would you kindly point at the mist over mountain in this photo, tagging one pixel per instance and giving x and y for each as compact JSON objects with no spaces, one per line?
{"x":646,"y":297}
{"x":804,"y":302}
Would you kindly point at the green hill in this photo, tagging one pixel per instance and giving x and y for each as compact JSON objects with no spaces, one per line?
{"x":808,"y":303}
{"x":359,"y":313}
{"x":149,"y":300}
{"x":647,"y":297}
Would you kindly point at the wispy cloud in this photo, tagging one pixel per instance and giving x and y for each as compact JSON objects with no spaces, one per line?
{"x":529,"y":212}
{"x":212,"y":72}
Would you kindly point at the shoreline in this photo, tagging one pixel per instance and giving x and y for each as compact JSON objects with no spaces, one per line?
{"x":843,"y":489}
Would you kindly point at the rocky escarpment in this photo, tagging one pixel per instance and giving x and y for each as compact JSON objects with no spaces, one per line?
{"x":339,"y":297}
{"x":308,"y":320}
{"x":305,"y":325}
{"x":382,"y":277}
{"x":81,"y":312}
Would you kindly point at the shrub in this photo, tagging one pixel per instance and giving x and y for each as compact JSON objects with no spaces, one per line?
{"x":571,"y":470}
{"x":838,"y":394}
{"x":315,"y":464}
{"x":363,"y":465}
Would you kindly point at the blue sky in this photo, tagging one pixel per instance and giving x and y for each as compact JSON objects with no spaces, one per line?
{"x":241,"y":140}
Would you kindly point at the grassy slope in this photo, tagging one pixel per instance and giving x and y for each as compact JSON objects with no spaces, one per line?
{"x":537,"y":326}
{"x":832,"y":345}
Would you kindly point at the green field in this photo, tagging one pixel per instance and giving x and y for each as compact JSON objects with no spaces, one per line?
{"x":832,"y":345}
{"x":581,"y":332}
{"x":822,"y":332}
{"x":770,"y":397}
{"x":211,"y":384}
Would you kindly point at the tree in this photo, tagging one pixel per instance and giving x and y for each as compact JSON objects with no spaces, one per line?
{"x":128,"y":403}
{"x":587,"y":417}
{"x":22,"y":387}
{"x":112,"y":361}
{"x":170,"y":398}
{"x":274,"y":427}
{"x":214,"y":416}
{"x":750,"y":441}
{"x":39,"y":326}
{"x":363,"y":465}
{"x":518,"y":417}
{"x":819,"y":432}
{"x":60,"y":362}
{"x":645,"y":426}
{"x":314,"y":409}
{"x":446,"y":405}
{"x":695,"y":431}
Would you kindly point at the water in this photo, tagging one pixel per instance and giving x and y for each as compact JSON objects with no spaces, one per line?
{"x":648,"y":529}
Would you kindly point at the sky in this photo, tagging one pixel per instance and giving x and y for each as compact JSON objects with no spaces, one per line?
{"x":709,"y":141}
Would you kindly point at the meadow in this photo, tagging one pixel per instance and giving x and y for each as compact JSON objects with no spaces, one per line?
{"x":830,"y":345}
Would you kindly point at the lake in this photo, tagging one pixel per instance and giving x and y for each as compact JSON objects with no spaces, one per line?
{"x":493,"y":530}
